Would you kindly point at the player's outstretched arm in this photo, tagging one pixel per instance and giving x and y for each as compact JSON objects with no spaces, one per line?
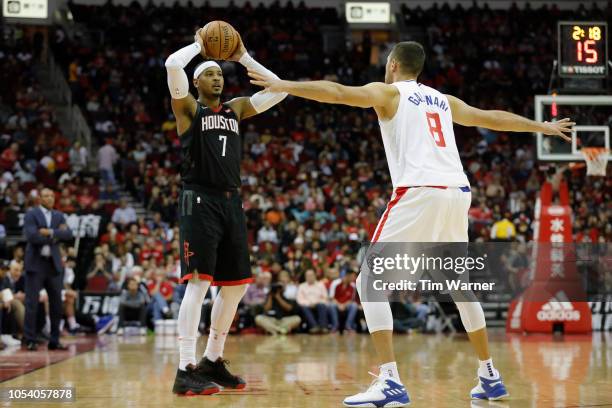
{"x":467,"y":115}
{"x":373,"y":95}
{"x":183,"y":103}
{"x":246,"y":107}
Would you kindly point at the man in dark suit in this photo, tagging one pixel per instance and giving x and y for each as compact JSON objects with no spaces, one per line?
{"x":44,"y":228}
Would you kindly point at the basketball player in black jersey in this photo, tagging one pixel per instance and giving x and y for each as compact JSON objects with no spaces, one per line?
{"x":213,"y":231}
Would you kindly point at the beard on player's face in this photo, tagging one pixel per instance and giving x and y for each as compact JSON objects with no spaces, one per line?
{"x":211,"y":84}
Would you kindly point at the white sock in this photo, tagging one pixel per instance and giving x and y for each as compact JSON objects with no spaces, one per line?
{"x":215,"y":345}
{"x":487,"y":370}
{"x":188,"y":320}
{"x":47,"y":327}
{"x":390,"y":370}
{"x":221,"y":317}
{"x":187,"y":351}
{"x":72,"y":323}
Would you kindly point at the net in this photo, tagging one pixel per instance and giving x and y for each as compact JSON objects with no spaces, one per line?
{"x":596,"y":160}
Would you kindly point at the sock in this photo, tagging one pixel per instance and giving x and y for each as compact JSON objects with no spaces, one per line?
{"x":188,"y":320}
{"x":72,"y":323}
{"x":390,"y":370}
{"x":221,"y":317}
{"x":47,"y":327}
{"x":487,"y":370}
{"x":187,"y":350}
{"x":215,"y":345}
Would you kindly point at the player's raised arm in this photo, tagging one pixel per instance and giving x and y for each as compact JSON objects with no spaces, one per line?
{"x":372,"y":95}
{"x":183,"y":103}
{"x":261,"y":101}
{"x":467,"y":115}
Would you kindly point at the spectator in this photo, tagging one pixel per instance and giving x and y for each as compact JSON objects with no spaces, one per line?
{"x":69,"y":295}
{"x":124,"y":214}
{"x":6,"y":309}
{"x":503,"y":230}
{"x":107,"y":157}
{"x":312,"y":298}
{"x":11,"y":280}
{"x":9,"y":157}
{"x":100,"y":276}
{"x":132,"y":307}
{"x":290,"y":288}
{"x":78,"y":156}
{"x":408,"y":315}
{"x":255,"y":296}
{"x":267,"y":233}
{"x":278,"y":315}
{"x":342,"y":293}
{"x":160,"y":290}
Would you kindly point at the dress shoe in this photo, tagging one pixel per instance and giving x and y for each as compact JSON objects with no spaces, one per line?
{"x":56,"y":346}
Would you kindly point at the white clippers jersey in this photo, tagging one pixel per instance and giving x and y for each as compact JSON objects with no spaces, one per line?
{"x":419,"y":140}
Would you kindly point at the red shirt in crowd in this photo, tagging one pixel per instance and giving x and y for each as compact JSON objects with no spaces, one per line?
{"x":8,"y":159}
{"x":62,"y":160}
{"x":165,"y":288}
{"x":344,"y":293}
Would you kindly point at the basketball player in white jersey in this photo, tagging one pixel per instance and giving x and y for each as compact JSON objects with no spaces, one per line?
{"x":431,"y":195}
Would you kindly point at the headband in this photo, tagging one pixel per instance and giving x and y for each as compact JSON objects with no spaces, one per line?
{"x":203,"y":67}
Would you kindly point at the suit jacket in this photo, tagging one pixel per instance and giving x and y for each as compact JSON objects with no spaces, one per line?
{"x":34,"y":220}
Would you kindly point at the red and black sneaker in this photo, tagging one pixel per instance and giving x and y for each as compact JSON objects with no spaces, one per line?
{"x":188,"y":382}
{"x":217,"y":372}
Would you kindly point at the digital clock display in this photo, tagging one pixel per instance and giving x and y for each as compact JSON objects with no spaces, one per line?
{"x":583,"y":49}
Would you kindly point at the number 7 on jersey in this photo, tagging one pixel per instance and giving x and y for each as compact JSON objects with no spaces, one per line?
{"x":223,"y":138}
{"x":435,"y":128}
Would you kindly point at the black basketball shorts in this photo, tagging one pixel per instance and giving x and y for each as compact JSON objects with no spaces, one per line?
{"x":213,"y":237}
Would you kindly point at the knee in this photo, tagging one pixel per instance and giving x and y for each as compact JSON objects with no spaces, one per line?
{"x":472,"y":316}
{"x":234,"y":292}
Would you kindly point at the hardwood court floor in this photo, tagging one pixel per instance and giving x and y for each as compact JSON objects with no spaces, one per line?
{"x":319,"y":371}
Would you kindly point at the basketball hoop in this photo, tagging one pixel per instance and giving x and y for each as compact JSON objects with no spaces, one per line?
{"x":596,"y":160}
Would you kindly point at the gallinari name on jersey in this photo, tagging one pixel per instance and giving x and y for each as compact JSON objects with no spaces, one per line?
{"x":218,"y":122}
{"x":417,"y":98}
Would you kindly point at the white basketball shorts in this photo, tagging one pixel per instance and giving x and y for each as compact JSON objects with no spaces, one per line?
{"x":425,"y":214}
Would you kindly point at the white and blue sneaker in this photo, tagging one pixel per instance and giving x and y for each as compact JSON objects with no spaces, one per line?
{"x":104,"y":323}
{"x":383,"y":392}
{"x":489,"y":389}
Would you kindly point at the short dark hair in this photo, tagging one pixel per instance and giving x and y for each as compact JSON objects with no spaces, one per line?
{"x":410,"y":55}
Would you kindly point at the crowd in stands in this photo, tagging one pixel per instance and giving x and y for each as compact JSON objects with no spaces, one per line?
{"x":315,"y":177}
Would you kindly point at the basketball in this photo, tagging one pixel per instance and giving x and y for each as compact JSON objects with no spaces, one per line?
{"x":220,"y":39}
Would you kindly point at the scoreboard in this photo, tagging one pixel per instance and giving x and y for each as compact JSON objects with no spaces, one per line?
{"x":583,"y":49}
{"x":30,"y":12}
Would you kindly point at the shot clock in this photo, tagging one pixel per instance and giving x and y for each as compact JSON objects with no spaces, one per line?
{"x":583,"y":49}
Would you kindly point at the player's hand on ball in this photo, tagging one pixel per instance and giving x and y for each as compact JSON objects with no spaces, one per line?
{"x":559,"y":128}
{"x":271,"y":84}
{"x":239,"y":52}
{"x":198,"y":38}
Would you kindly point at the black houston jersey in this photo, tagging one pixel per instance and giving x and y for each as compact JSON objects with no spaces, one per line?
{"x":212,"y":149}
